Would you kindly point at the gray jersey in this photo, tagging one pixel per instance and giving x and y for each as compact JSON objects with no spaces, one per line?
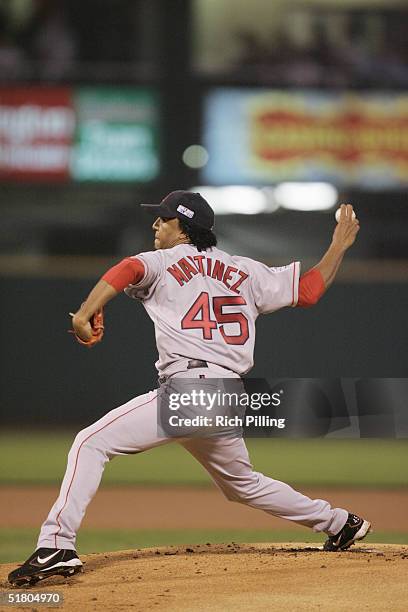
{"x":204,"y":304}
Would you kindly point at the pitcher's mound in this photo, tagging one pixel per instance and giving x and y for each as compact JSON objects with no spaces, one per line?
{"x":224,"y":577}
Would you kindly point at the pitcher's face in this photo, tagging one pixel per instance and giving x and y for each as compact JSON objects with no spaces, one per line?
{"x":167,"y":233}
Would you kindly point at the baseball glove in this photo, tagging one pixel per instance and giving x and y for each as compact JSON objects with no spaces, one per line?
{"x":96,"y":322}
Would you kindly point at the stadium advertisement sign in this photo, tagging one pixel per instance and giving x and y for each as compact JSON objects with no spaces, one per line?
{"x":116,"y":137}
{"x":36,"y":130}
{"x":97,"y":134}
{"x":358,"y":139}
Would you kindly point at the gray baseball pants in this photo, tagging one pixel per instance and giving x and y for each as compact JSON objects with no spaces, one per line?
{"x":132,"y":428}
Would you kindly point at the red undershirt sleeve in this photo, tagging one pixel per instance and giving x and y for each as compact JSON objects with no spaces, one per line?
{"x":311,"y":288}
{"x":129,"y":271}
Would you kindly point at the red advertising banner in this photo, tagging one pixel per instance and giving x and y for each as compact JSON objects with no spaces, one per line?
{"x":37,"y":127}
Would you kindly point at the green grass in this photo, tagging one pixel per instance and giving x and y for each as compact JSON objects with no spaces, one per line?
{"x":40,"y":458}
{"x":18,"y":544}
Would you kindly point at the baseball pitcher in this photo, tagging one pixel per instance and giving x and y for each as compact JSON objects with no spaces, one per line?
{"x":204,"y":303}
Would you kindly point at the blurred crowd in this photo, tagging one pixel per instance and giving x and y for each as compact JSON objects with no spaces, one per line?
{"x":64,"y":39}
{"x":348,"y":49}
{"x":54,"y":39}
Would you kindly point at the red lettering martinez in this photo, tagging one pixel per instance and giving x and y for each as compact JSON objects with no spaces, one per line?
{"x":199,"y":260}
{"x":188,"y":268}
{"x":227,"y":275}
{"x":183,"y":271}
{"x":235,"y":286}
{"x":178,"y":274}
{"x":218,"y":270}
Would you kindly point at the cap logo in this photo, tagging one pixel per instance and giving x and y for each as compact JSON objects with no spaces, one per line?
{"x":185,"y":211}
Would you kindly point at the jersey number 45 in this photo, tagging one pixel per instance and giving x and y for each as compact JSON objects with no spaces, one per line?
{"x":199,"y":317}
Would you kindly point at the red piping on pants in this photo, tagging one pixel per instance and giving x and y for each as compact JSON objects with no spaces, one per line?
{"x":76,"y":460}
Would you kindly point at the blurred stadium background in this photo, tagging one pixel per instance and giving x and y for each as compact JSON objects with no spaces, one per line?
{"x":276,"y":111}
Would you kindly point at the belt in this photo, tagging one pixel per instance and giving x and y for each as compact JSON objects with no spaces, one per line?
{"x":191,"y":364}
{"x":196,"y":363}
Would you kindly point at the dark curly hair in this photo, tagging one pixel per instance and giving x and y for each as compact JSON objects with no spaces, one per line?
{"x":201,"y":238}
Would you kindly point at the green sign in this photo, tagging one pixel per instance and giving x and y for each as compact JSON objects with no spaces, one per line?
{"x":116,"y":136}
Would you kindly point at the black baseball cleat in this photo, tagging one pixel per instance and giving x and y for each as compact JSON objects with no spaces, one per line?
{"x":355,"y":529}
{"x":43,"y":563}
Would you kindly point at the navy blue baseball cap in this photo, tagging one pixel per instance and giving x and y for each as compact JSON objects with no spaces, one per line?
{"x":187,"y":206}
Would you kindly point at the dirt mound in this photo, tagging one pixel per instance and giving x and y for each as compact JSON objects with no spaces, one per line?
{"x":223,"y":577}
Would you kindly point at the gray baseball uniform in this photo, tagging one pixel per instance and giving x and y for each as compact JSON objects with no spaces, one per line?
{"x":204,"y":306}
